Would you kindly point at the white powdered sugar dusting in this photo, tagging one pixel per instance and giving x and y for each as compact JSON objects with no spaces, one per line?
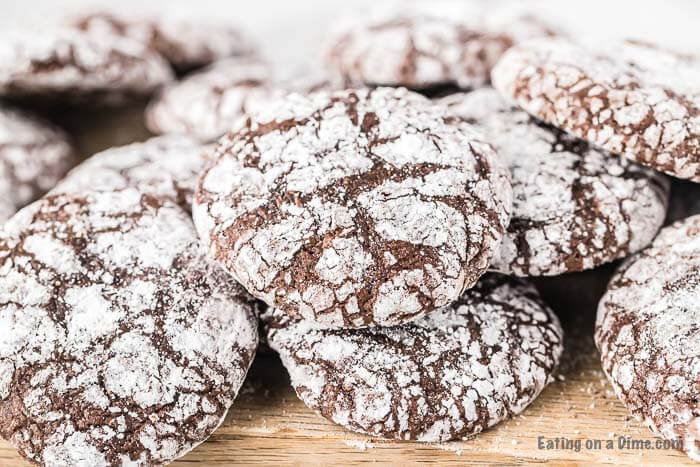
{"x":419,"y":45}
{"x":360,"y":445}
{"x":185,"y":43}
{"x":120,"y":342}
{"x":354,"y":208}
{"x":630,"y":98}
{"x":64,"y":61}
{"x":446,"y":376}
{"x":165,"y":166}
{"x":206,"y":104}
{"x":34,"y":156}
{"x":648,"y":334}
{"x":574,"y":207}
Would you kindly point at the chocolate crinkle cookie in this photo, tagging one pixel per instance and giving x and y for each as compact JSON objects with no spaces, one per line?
{"x":575,"y":207}
{"x":206,"y":104}
{"x":185,"y":43}
{"x":423,"y":48}
{"x":120,"y":343}
{"x":164,"y":166}
{"x":648,"y":334}
{"x":631,"y":98}
{"x":34,"y":156}
{"x":447,"y":376}
{"x":354,"y":208}
{"x":65,"y":63}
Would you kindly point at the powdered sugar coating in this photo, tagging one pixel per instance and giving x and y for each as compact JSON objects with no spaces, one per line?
{"x":120,"y":343}
{"x":574,"y":207}
{"x":449,"y":375}
{"x":164,"y":166}
{"x":185,"y":43}
{"x":418,"y":47}
{"x":69,"y":63}
{"x":354,"y":208}
{"x":631,"y":98}
{"x":207,"y":104}
{"x":648,"y":334}
{"x":34,"y":156}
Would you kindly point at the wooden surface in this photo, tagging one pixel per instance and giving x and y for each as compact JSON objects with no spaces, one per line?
{"x":269,"y":425}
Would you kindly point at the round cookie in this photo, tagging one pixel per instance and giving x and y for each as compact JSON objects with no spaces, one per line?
{"x":186,"y":44}
{"x":648,"y":334}
{"x":120,"y":343}
{"x":355,"y":208}
{"x":164,"y":166}
{"x":631,"y":98}
{"x":34,"y":156}
{"x":66,"y":63}
{"x":206,"y":104}
{"x":574,"y":207}
{"x":423,"y":48}
{"x":447,"y":376}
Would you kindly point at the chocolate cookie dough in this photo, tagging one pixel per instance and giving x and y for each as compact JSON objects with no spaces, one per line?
{"x":447,"y":376}
{"x":575,"y":207}
{"x":354,"y":208}
{"x":648,"y":334}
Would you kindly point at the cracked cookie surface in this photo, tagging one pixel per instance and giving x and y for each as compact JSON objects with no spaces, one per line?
{"x":446,"y":376}
{"x":120,"y":342}
{"x":354,"y":208}
{"x":66,"y":63}
{"x":648,"y":334}
{"x":164,"y":166}
{"x":421,"y":48}
{"x":34,"y":156}
{"x":185,"y":43}
{"x":206,"y":104}
{"x":630,"y":98}
{"x":574,"y":207}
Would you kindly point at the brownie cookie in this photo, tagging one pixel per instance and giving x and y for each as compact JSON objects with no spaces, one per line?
{"x":574,"y":207}
{"x":120,"y":343}
{"x":421,"y":50}
{"x":34,"y":156}
{"x":66,"y":63}
{"x":447,"y":376}
{"x":165,"y":166}
{"x":186,"y":44}
{"x":207,"y":104}
{"x":354,"y":208}
{"x":648,"y":334}
{"x":630,"y":98}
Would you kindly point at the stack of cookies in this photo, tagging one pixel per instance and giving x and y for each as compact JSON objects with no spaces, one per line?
{"x":121,"y":343}
{"x":380,"y":220}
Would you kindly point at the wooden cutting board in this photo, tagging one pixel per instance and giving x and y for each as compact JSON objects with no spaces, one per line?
{"x":269,"y":425}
